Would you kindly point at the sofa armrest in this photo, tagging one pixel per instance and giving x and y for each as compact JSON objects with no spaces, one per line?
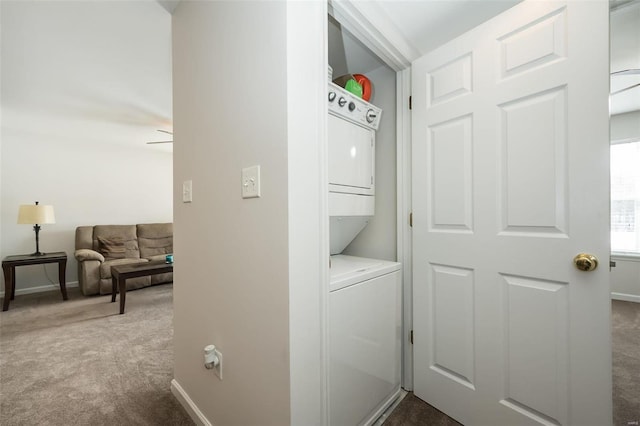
{"x":88,"y":254}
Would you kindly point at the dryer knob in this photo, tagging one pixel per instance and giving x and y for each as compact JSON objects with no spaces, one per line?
{"x":332,"y":96}
{"x":371,"y":116}
{"x":342,"y":101}
{"x":352,"y":106}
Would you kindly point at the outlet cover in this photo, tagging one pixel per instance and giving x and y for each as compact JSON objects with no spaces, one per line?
{"x":218,"y":368}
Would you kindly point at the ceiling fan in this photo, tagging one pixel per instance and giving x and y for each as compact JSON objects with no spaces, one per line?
{"x":162,"y":131}
{"x":633,"y":71}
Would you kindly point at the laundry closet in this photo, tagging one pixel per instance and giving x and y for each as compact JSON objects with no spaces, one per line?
{"x":365,"y":297}
{"x":496,"y":105}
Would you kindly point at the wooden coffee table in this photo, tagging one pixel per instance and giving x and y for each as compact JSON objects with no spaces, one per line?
{"x":120,"y":274}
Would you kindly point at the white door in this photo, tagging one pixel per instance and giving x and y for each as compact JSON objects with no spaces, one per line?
{"x":510,"y":182}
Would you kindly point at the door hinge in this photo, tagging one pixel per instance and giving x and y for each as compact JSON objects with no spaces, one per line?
{"x":411,"y":219}
{"x":410,"y":105}
{"x":411,"y":337}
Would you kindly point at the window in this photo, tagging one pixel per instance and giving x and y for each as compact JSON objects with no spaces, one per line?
{"x":625,"y":197}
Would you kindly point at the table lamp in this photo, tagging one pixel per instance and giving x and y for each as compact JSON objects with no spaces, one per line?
{"x":35,"y":214}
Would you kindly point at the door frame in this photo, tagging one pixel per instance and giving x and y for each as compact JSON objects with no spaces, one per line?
{"x":403,"y":226}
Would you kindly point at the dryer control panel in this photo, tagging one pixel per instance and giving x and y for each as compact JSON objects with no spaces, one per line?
{"x":346,"y":105}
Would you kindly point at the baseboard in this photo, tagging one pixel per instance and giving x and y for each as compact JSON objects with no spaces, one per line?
{"x":381,"y":414}
{"x":625,"y":297}
{"x":188,"y":404}
{"x":41,"y":289}
{"x":390,"y":405}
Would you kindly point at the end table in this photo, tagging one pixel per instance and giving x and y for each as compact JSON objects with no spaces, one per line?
{"x":9,"y":264}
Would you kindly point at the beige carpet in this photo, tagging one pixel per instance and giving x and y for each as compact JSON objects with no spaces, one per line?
{"x":626,"y":377}
{"x":413,"y":411}
{"x":626,"y":363}
{"x":80,"y":363}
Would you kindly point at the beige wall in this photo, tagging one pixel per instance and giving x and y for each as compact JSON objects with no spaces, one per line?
{"x":625,"y":277}
{"x":231,"y":274}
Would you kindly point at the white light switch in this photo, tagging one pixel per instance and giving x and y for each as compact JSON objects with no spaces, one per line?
{"x":187,"y":191}
{"x":251,"y":182}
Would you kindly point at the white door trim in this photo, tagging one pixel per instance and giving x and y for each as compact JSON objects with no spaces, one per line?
{"x":403,"y":228}
{"x":308,"y":222}
{"x":368,"y":23}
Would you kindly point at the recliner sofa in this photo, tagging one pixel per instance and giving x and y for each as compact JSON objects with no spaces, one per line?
{"x":100,"y":247}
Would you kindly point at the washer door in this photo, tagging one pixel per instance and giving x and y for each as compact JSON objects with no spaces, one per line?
{"x":364,"y":361}
{"x":351,"y":157}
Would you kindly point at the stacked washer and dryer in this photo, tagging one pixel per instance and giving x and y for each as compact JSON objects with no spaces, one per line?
{"x":365,"y":294}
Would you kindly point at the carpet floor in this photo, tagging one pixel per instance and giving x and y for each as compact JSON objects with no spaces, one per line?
{"x":626,"y":377}
{"x":626,"y":363}
{"x":81,"y":363}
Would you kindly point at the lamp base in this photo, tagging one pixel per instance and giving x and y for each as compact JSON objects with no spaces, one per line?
{"x":36,"y":228}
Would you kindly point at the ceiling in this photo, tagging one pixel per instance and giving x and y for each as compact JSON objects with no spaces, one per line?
{"x":422,"y":25}
{"x":169,"y":5}
{"x":625,"y":54}
{"x":428,"y":24}
{"x":417,"y":26}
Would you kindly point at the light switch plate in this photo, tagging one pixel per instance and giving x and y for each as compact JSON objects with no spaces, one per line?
{"x":187,"y":191}
{"x":251,"y":182}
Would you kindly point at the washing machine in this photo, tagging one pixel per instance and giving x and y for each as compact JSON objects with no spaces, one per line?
{"x":364,"y":338}
{"x":364,"y":294}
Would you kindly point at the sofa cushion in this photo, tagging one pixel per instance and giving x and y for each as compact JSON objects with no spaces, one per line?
{"x":111,"y":248}
{"x":125,"y":233}
{"x":155,"y":239}
{"x":105,"y":267}
{"x":158,"y":258}
{"x":115,"y":248}
{"x":84,"y":238}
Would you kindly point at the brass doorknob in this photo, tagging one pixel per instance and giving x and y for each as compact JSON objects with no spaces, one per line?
{"x":585,"y":262}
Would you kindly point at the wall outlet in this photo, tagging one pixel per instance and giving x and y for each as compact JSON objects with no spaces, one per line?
{"x":218,"y":368}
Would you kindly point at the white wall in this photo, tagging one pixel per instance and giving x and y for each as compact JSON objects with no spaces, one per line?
{"x":625,"y":127}
{"x":378,"y":239}
{"x":625,"y":277}
{"x":84,"y":86}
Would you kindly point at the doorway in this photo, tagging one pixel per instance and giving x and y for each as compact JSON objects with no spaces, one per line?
{"x":625,"y":208}
{"x":400,"y":218}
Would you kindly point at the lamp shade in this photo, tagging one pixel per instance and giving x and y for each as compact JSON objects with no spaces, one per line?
{"x":35,"y":214}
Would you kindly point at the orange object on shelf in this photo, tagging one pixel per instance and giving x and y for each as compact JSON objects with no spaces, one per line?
{"x":366,"y":86}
